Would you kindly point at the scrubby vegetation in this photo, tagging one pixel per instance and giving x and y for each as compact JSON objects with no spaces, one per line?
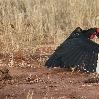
{"x":26,"y":24}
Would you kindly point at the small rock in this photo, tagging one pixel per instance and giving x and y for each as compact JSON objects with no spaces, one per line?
{"x":4,"y":74}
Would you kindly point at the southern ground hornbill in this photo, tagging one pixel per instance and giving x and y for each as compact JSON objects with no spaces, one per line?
{"x":77,"y":52}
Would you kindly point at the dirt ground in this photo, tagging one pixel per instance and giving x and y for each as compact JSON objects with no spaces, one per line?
{"x":38,"y":82}
{"x":43,"y":83}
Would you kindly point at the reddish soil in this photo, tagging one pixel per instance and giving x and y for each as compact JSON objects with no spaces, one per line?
{"x":31,"y":80}
{"x":43,"y":83}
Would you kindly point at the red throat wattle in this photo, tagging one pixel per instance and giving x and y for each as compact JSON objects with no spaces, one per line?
{"x":95,"y":33}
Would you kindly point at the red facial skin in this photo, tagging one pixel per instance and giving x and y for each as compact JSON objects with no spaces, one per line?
{"x":97,"y":30}
{"x":94,"y":34}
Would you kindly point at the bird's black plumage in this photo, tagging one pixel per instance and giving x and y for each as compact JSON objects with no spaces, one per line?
{"x":77,"y":51}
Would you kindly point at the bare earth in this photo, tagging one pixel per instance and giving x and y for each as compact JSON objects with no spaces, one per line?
{"x":43,"y":83}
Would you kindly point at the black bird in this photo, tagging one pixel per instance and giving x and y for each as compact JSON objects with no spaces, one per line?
{"x":77,"y":52}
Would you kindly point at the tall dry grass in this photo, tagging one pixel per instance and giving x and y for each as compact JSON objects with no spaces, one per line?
{"x":26,"y":24}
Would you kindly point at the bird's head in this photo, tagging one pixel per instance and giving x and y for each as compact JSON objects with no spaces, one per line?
{"x":92,"y":32}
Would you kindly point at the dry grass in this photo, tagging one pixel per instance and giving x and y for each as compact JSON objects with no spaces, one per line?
{"x":26,"y":24}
